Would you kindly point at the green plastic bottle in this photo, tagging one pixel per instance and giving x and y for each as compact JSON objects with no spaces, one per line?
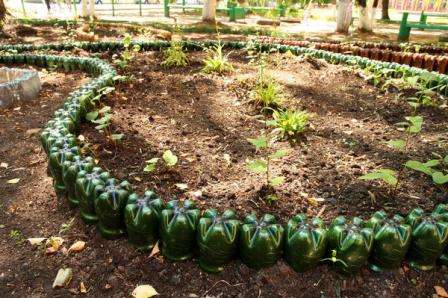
{"x":110,"y":201}
{"x":50,"y":134}
{"x":142,"y":216}
{"x":442,"y":210}
{"x":217,"y":239}
{"x":261,"y":241}
{"x":350,"y":242}
{"x":178,"y":229}
{"x":57,"y":157}
{"x":391,"y":242}
{"x":429,"y":237}
{"x":305,"y":242}
{"x":70,"y":170}
{"x":86,"y":182}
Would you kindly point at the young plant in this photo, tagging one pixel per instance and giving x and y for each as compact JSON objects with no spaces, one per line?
{"x":267,"y":91}
{"x":412,"y":126}
{"x":128,"y":53}
{"x":437,"y":168}
{"x":103,"y":118}
{"x":169,"y":159}
{"x":216,"y":60}
{"x":263,"y":144}
{"x":175,"y":56}
{"x":289,"y":123}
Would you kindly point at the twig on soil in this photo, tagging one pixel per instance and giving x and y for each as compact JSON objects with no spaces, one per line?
{"x":223,"y":281}
{"x":255,"y":203}
{"x":321,"y":211}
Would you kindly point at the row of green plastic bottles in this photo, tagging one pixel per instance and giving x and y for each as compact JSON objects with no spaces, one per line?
{"x":184,"y":231}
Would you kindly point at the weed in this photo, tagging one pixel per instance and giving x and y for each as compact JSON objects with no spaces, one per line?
{"x":66,"y":226}
{"x":175,"y":56}
{"x":17,"y":236}
{"x":169,"y":159}
{"x":289,"y":123}
{"x":216,"y":60}
{"x":127,"y":55}
{"x":263,"y":144}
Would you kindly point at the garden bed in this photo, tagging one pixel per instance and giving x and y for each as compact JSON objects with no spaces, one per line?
{"x":113,"y":268}
{"x":204,"y":118}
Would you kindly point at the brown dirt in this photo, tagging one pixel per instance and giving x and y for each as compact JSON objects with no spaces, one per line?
{"x":200,"y":118}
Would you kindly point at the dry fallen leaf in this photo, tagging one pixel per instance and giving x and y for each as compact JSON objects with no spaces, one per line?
{"x":227,"y":159}
{"x":144,"y":291}
{"x":441,"y":291}
{"x":4,"y":165}
{"x":13,"y":181}
{"x":77,"y":246}
{"x":155,"y":250}
{"x":82,"y":288}
{"x":63,"y":278}
{"x":53,"y":244}
{"x":36,"y":241}
{"x":31,"y":132}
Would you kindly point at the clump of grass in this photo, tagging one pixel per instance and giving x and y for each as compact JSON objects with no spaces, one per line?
{"x":268,"y":93}
{"x":290,"y":123}
{"x":216,"y":61}
{"x":175,"y":56}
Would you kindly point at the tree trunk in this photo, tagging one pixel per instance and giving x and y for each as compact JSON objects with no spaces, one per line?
{"x":344,"y":15}
{"x":84,"y":8}
{"x":2,"y":12}
{"x":92,"y":9}
{"x":209,"y":11}
{"x":366,"y":12}
{"x":385,"y":10}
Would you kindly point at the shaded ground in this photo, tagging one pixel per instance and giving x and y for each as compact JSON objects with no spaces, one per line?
{"x":114,"y":268}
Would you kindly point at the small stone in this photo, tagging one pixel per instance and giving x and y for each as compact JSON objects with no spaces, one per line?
{"x":175,"y":279}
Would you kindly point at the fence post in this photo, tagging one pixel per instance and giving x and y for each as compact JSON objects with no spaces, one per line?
{"x":166,"y":8}
{"x":140,"y":7}
{"x":183,"y":6}
{"x":23,"y":8}
{"x":113,"y":8}
{"x":75,"y":9}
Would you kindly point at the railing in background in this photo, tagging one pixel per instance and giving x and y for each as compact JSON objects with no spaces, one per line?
{"x":420,"y":5}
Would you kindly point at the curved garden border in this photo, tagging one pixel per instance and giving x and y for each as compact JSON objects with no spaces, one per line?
{"x":421,"y":238}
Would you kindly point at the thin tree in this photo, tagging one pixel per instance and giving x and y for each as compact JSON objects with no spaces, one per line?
{"x":385,"y":10}
{"x":2,"y":12}
{"x":209,"y":11}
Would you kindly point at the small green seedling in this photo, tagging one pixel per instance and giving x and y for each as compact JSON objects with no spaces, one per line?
{"x":267,"y":91}
{"x":127,"y":55}
{"x":289,"y":123}
{"x":263,"y":165}
{"x":17,"y":236}
{"x":216,"y":61}
{"x":334,"y":259}
{"x":437,"y":169}
{"x":169,"y":158}
{"x":175,"y":56}
{"x":103,"y":118}
{"x":387,"y":175}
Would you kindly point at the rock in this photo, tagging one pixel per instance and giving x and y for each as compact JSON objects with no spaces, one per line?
{"x":175,"y":280}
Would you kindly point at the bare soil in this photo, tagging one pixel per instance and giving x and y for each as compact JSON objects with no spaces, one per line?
{"x":201,"y":118}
